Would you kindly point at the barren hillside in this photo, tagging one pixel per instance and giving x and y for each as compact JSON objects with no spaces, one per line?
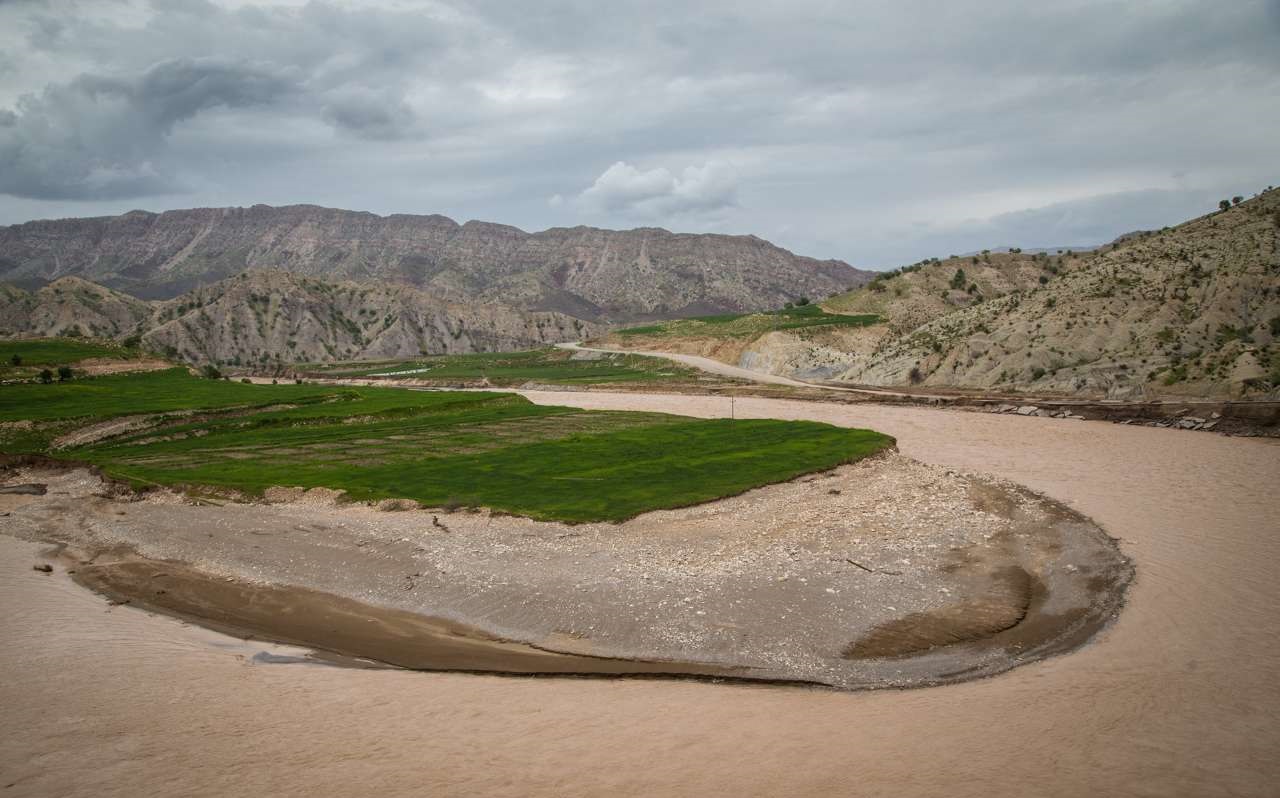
{"x":261,"y":317}
{"x":71,"y":306}
{"x":1192,"y":310}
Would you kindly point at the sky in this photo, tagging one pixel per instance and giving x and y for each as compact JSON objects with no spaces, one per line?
{"x":877,"y":133}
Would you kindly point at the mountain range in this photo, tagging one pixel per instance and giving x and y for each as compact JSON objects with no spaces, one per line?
{"x":589,"y":273}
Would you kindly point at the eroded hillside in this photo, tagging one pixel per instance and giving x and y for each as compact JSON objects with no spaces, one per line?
{"x":1192,"y":310}
{"x":267,"y":317}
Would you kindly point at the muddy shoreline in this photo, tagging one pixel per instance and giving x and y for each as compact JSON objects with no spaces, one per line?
{"x":883,"y":574}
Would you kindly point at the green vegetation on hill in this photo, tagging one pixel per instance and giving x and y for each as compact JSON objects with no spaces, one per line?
{"x":440,"y":448}
{"x":553,"y":366}
{"x":742,"y":325}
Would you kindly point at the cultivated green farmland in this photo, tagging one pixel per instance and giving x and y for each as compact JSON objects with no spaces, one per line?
{"x":737,"y":325}
{"x":480,"y":449}
{"x":502,"y":369}
{"x":41,"y":352}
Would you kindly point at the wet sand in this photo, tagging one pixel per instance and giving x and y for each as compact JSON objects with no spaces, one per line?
{"x":1178,"y":697}
{"x":884,"y":573}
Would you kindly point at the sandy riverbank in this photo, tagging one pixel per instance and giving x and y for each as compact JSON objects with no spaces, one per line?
{"x":1177,"y":697}
{"x":886,"y":573}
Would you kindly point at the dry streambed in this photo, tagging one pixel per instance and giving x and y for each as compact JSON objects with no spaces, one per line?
{"x":884,"y":573}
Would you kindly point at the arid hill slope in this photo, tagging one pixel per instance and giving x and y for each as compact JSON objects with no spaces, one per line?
{"x":1192,"y":310}
{"x":71,"y":306}
{"x":585,"y":272}
{"x":261,"y":317}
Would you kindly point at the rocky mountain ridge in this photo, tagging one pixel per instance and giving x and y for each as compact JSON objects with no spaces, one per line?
{"x":266,"y":317}
{"x":590,"y":273}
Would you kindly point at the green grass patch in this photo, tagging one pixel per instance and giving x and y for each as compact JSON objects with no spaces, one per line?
{"x":737,"y":325}
{"x":57,"y":351}
{"x":509,"y":369}
{"x":163,"y":391}
{"x":475,"y":448}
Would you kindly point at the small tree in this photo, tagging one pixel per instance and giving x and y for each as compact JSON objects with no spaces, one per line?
{"x":211,"y":372}
{"x":46,"y":376}
{"x":958,"y":279}
{"x":802,"y":301}
{"x":1224,"y":205}
{"x":1236,"y":200}
{"x":64,"y":373}
{"x":16,"y":359}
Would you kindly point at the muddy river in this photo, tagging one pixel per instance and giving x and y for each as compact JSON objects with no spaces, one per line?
{"x":1178,"y":697}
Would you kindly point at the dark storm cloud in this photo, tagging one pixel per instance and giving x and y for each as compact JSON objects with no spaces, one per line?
{"x":95,"y":137}
{"x":370,"y":115}
{"x":876,"y":132}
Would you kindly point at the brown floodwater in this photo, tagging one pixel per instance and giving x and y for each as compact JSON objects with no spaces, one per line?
{"x":1179,"y":696}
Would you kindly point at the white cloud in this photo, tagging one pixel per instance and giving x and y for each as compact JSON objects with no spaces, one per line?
{"x":658,"y":194}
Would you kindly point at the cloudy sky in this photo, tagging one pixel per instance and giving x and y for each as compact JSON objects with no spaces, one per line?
{"x":875,"y":132}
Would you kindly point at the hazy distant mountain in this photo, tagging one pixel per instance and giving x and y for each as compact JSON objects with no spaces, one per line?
{"x":583,"y":271}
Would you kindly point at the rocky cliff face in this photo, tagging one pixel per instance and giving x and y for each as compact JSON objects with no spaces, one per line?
{"x":269,"y":317}
{"x":586,"y":272}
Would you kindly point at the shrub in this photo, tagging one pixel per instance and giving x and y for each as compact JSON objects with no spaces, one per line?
{"x":16,"y":359}
{"x":1224,"y":205}
{"x":1176,"y":374}
{"x":1236,"y":200}
{"x":46,"y":376}
{"x":246,"y":380}
{"x":64,"y":373}
{"x":802,"y":301}
{"x":132,"y":342}
{"x":958,"y":279}
{"x":211,"y":372}
{"x":915,"y":376}
{"x":1037,"y":373}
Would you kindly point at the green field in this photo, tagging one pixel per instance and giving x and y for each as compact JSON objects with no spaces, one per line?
{"x":57,"y":351}
{"x":509,"y":369}
{"x":734,"y":325}
{"x":441,"y":448}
